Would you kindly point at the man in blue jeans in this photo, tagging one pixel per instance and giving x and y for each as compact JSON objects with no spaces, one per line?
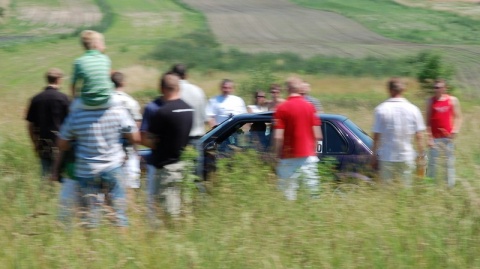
{"x":443,"y":118}
{"x":99,"y":155}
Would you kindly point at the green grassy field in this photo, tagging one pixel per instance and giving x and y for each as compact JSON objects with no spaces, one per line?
{"x":397,"y":21}
{"x":244,"y":222}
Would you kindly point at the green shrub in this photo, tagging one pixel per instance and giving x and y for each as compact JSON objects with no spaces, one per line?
{"x":200,"y":50}
{"x":259,"y":79}
{"x":432,"y":66}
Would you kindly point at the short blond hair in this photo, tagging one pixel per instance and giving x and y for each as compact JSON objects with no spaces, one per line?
{"x":396,"y":84}
{"x":294,"y":84}
{"x":90,"y":39}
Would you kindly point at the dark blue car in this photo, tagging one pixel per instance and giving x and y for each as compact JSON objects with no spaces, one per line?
{"x":343,"y":140}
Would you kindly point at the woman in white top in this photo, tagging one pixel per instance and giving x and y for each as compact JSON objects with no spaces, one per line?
{"x":260,"y":103}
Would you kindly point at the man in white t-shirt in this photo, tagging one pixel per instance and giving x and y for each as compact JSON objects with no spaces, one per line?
{"x":225,"y":105}
{"x":396,"y":122}
{"x":132,"y":164}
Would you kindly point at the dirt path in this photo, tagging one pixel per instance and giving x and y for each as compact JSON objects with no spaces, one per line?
{"x":280,"y":26}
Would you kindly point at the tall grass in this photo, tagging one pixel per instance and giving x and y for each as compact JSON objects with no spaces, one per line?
{"x":245,"y":222}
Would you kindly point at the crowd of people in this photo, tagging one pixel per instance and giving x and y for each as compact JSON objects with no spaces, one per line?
{"x":90,"y":143}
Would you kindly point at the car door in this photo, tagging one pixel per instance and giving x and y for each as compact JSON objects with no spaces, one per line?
{"x":335,"y":143}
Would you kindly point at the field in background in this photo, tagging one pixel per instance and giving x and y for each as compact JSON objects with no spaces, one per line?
{"x":468,"y":8}
{"x":244,"y":222}
{"x":353,"y":29}
{"x":40,"y":18}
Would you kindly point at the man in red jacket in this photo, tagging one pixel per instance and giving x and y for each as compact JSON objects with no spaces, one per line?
{"x":297,"y":130}
{"x":444,"y":118}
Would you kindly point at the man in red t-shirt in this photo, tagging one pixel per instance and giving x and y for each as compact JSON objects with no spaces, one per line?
{"x":297,"y":130}
{"x":443,"y":123}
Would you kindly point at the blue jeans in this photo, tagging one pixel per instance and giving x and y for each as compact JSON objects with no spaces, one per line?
{"x":445,"y":146}
{"x":110,"y":180}
{"x":68,"y":201}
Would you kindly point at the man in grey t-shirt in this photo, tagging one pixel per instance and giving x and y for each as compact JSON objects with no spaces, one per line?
{"x":195,"y":97}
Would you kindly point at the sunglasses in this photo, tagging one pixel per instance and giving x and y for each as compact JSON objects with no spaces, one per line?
{"x":438,"y":87}
{"x":260,"y":96}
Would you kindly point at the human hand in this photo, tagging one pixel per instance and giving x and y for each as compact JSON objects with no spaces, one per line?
{"x":431,"y":143}
{"x":54,"y":177}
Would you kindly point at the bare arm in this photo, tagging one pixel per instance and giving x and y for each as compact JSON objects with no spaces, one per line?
{"x":72,"y":89}
{"x":419,"y":142}
{"x":212,"y":122}
{"x":457,"y":116}
{"x":278,"y":136}
{"x":376,"y":142}
{"x":428,"y":113}
{"x":147,"y":140}
{"x":133,"y":138}
{"x":318,"y":135}
{"x":62,"y":145}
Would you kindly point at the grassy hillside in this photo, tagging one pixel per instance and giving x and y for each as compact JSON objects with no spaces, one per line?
{"x":413,"y":24}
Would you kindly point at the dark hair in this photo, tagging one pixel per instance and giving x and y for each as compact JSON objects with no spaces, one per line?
{"x":180,"y":70}
{"x":255,"y":100}
{"x":225,"y":81}
{"x":440,"y":80}
{"x":117,"y":79}
{"x":275,"y":86}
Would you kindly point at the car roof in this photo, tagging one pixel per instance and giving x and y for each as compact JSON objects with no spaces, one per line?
{"x":269,"y":114}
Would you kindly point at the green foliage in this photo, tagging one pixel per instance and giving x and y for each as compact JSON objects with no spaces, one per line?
{"x":200,"y":50}
{"x":145,"y":96}
{"x":2,"y":12}
{"x":259,"y":79}
{"x":433,"y":67}
{"x":326,"y":169}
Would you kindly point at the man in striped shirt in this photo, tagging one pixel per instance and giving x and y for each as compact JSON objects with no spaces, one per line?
{"x":99,"y":154}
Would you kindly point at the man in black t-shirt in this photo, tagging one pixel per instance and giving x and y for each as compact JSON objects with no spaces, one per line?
{"x":45,"y":114}
{"x":168,"y":134}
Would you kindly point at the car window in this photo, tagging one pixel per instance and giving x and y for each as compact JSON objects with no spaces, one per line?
{"x":334,"y":142}
{"x":247,"y":135}
{"x":359,"y":133}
